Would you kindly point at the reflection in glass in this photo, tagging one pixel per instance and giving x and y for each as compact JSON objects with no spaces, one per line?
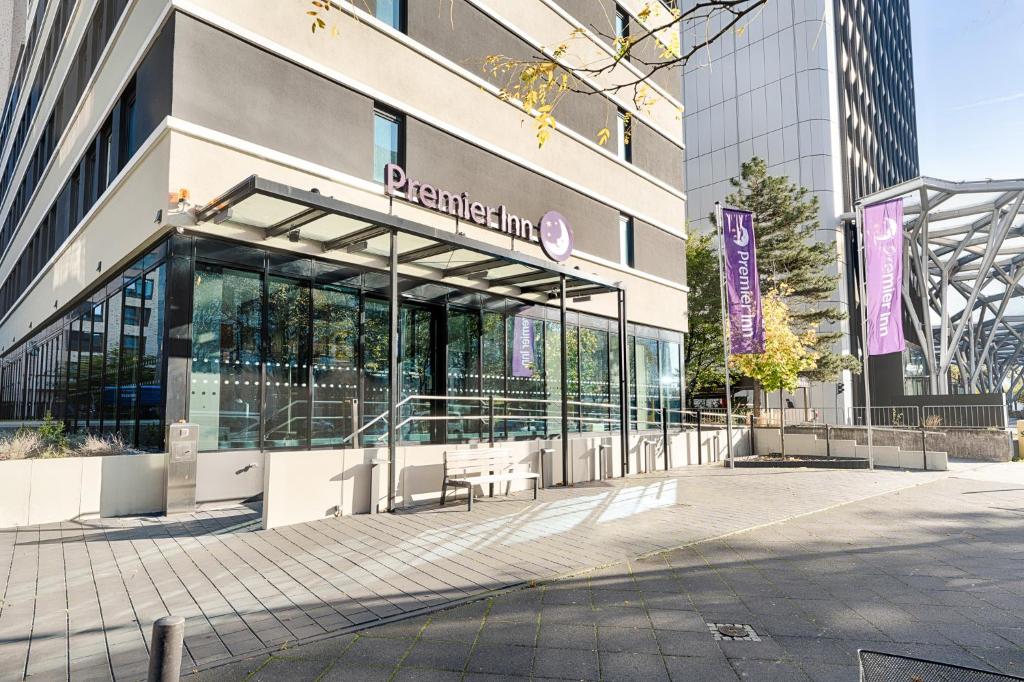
{"x":375,"y":369}
{"x":151,"y":351}
{"x":416,"y":360}
{"x":648,"y":384}
{"x":335,"y":376}
{"x":463,"y":374}
{"x":594,"y":377}
{"x":671,"y":380}
{"x":226,"y":323}
{"x":286,"y":412}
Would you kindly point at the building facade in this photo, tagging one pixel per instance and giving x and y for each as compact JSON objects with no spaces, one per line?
{"x":823,"y":91}
{"x":306,"y":243}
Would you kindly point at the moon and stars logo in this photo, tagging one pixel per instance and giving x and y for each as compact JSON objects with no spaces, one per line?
{"x":556,"y":237}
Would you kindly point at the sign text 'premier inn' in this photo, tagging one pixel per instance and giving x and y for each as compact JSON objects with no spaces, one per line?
{"x":554,"y":234}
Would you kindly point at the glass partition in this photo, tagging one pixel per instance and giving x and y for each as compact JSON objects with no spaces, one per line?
{"x":226,"y":354}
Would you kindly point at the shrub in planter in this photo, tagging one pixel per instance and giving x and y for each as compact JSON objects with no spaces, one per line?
{"x":24,"y":444}
{"x":97,"y":446}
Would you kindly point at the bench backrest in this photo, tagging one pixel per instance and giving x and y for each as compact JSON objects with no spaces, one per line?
{"x":460,"y":462}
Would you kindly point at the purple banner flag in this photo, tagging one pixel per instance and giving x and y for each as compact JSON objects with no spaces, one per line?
{"x":883,"y":251}
{"x":743,"y":289}
{"x":522,"y":347}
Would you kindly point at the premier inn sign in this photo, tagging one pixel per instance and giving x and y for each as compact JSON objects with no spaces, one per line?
{"x":555,"y":236}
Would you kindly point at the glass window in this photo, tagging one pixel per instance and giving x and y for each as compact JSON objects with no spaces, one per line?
{"x":387,"y":140}
{"x":129,"y":372}
{"x":416,"y":354}
{"x":463,"y":373}
{"x":335,"y":370}
{"x":287,"y":364}
{"x":526,"y":377}
{"x":226,"y":350}
{"x":150,"y":352}
{"x":671,"y":380}
{"x":494,"y":365}
{"x":96,"y":363}
{"x":553,"y":376}
{"x":647,"y":381}
{"x":375,"y":368}
{"x":621,"y":23}
{"x":623,"y":135}
{"x":627,"y":252}
{"x":594,"y":378}
{"x":112,"y":366}
{"x":391,"y":12}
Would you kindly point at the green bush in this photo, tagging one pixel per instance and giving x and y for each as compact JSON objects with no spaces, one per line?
{"x":52,"y":433}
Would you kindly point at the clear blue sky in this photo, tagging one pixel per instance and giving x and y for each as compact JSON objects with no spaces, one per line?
{"x":969,"y":82}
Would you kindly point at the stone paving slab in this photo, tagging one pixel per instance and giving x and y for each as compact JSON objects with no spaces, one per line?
{"x":79,"y":598}
{"x":932,"y":571}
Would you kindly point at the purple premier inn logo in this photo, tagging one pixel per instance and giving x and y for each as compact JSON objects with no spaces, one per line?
{"x":556,"y":236}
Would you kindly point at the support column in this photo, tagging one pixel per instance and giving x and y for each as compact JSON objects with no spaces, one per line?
{"x":178,"y":345}
{"x":394,"y":301}
{"x":623,"y":384}
{"x":564,"y":379}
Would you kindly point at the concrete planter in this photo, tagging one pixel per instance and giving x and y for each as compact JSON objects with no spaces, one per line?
{"x":36,"y":491}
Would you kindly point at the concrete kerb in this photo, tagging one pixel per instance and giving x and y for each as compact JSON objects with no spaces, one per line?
{"x":530,"y":584}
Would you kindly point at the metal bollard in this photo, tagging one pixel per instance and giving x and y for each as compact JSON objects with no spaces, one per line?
{"x":753,"y":452}
{"x":165,"y":649}
{"x":924,"y":438}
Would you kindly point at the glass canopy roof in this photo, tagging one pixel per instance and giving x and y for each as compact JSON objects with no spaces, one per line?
{"x":282,"y":211}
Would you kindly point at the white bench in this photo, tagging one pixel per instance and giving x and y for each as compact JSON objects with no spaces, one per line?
{"x":468,"y":468}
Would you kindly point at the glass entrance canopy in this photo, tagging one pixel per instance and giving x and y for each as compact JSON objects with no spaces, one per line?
{"x":411,"y":254}
{"x":423,"y":251}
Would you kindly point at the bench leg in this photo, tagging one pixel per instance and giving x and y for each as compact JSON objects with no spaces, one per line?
{"x":470,"y":491}
{"x":535,"y":488}
{"x":444,"y":492}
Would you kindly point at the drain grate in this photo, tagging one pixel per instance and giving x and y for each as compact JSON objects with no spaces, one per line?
{"x":733,"y":632}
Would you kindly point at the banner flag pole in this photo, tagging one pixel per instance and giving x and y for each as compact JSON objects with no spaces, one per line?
{"x":859,"y":228}
{"x":726,"y":339}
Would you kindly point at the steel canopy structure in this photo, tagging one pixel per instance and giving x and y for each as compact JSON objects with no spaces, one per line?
{"x":962,"y":271}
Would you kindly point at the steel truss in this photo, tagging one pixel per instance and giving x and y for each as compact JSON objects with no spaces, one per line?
{"x":962,"y":271}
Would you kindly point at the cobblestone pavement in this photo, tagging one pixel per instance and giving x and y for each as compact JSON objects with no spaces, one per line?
{"x":934,"y":571}
{"x":79,"y":598}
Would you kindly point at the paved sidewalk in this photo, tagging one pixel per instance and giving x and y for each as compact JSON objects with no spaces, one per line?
{"x":933,"y":571}
{"x":79,"y":598}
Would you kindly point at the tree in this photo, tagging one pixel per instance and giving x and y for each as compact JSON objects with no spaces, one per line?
{"x":793,"y":263}
{"x":703,"y":345}
{"x":786,"y":354}
{"x":537,"y":83}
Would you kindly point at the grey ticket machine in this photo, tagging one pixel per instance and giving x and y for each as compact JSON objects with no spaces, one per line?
{"x":182,"y":452}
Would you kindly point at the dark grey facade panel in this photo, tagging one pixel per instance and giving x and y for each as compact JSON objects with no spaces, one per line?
{"x":659,"y":253}
{"x":446,"y":161}
{"x":234,"y":87}
{"x":659,"y":157}
{"x":154,"y":81}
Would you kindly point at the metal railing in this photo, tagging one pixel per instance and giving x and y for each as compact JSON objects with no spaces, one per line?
{"x":889,"y":416}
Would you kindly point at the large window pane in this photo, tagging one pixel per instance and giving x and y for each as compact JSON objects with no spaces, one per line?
{"x":390,"y":12}
{"x":375,"y":369}
{"x":553,"y":376}
{"x":594,"y":378}
{"x":335,"y":372}
{"x":416,"y":357}
{"x":494,"y":365}
{"x":150,"y":351}
{"x":112,"y":366}
{"x":387,"y":136}
{"x":226,"y":324}
{"x":463,"y":374}
{"x":287,"y":364}
{"x":129,"y":365}
{"x":648,"y":384}
{"x":671,"y":380}
{"x":99,"y":326}
{"x":526,"y":386}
